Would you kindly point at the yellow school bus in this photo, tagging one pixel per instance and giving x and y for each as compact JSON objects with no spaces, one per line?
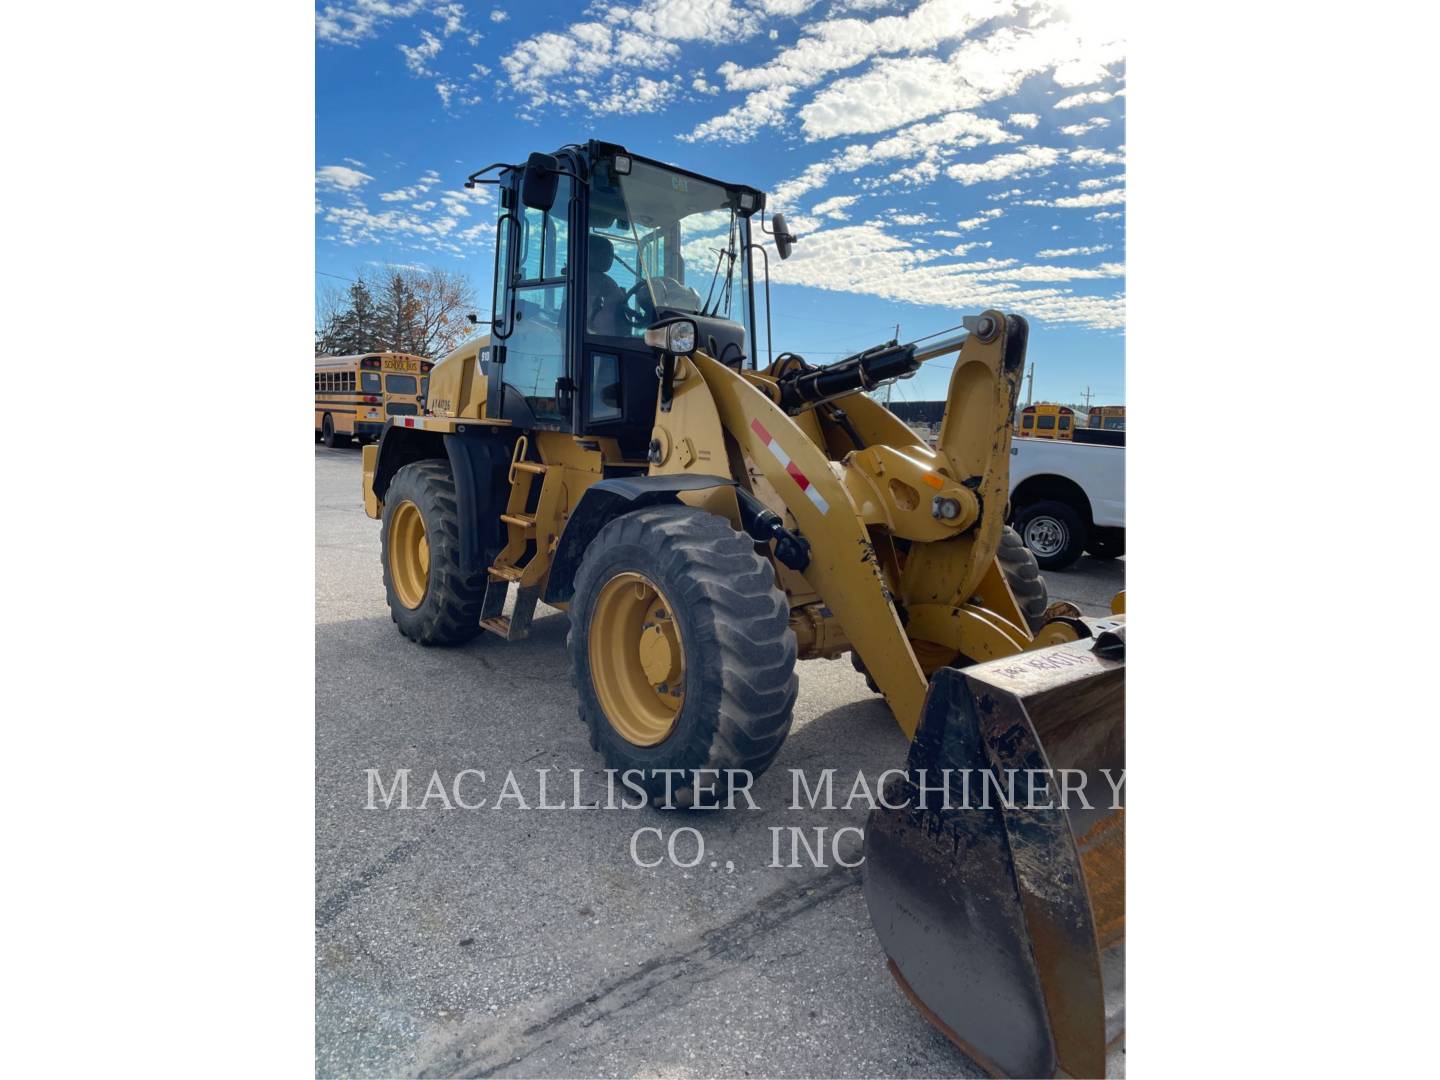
{"x":1047,"y":421}
{"x":356,"y":395}
{"x":1108,"y":417}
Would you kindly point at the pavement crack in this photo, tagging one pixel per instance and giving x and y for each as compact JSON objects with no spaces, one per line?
{"x":732,"y":941}
{"x":327,"y":910}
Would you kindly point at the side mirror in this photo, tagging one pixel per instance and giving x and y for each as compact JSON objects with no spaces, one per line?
{"x":539,"y":182}
{"x":784,"y":241}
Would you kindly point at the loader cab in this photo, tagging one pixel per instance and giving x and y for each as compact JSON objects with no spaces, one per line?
{"x":593,"y":246}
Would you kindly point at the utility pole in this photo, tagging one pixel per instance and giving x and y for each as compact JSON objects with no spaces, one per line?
{"x":1030,"y":383}
{"x":1088,"y":396}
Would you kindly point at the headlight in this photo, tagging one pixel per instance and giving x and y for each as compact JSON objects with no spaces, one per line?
{"x":676,"y":337}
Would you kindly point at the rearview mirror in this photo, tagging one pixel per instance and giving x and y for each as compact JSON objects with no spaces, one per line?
{"x":784,"y":241}
{"x":539,"y":182}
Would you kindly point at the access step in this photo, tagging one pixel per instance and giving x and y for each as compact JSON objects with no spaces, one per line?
{"x":516,"y":625}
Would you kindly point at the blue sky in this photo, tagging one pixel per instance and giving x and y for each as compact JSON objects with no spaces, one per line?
{"x":936,"y":157}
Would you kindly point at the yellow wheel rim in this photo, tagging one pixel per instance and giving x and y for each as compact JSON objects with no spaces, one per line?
{"x":637,"y":659}
{"x":409,"y":555}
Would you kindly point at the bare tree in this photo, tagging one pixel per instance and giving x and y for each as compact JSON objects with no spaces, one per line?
{"x":440,"y":302}
{"x":420,"y":310}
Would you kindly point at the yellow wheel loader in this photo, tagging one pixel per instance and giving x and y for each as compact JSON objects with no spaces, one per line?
{"x":614,"y":447}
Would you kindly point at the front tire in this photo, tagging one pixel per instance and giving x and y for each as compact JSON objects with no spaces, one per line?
{"x":431,"y":601}
{"x":681,"y":651}
{"x":1022,"y":574}
{"x":1053,"y":531}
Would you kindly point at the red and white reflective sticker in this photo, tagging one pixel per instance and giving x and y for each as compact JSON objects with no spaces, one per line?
{"x":799,"y":477}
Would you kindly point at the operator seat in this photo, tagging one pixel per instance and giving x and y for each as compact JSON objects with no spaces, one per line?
{"x":604,"y":300}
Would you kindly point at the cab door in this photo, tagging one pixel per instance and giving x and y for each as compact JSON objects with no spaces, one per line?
{"x":532,"y":336}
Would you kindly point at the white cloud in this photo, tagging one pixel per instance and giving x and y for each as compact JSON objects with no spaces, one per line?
{"x":341,"y":178}
{"x":453,"y":16}
{"x":898,"y":91}
{"x":699,"y":85}
{"x":866,"y":259}
{"x":1097,"y":198}
{"x":352,"y":161}
{"x":834,"y":45}
{"x":351,"y":21}
{"x":1065,"y":253}
{"x":1086,"y":155}
{"x":417,"y":57}
{"x":1099,"y":182}
{"x":910,"y":219}
{"x":1017,"y":163}
{"x":835,"y":208}
{"x":1024,"y":119}
{"x":1074,"y":101}
{"x":983,"y":218}
{"x":926,"y":142}
{"x":548,"y":66}
{"x":998,"y":195}
{"x":498,"y":16}
{"x":632,"y":94}
{"x":414,"y":191}
{"x":1106,"y":215}
{"x":1086,"y":126}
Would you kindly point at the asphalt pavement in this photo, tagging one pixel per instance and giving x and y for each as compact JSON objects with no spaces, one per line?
{"x":514,"y":941}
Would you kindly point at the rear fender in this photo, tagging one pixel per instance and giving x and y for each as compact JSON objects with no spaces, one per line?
{"x":478,"y":464}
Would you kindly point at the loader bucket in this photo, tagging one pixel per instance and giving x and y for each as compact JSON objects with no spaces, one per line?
{"x":1004,"y":918}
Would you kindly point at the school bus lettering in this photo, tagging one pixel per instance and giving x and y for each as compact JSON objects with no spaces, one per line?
{"x":355,"y":396}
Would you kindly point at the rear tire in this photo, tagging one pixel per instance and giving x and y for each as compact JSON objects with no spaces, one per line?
{"x":431,"y":601}
{"x":1022,"y":574}
{"x":716,"y":599}
{"x":1053,"y":531}
{"x":330,"y":436}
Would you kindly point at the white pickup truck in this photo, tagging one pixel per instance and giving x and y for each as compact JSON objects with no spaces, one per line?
{"x":1067,"y":498}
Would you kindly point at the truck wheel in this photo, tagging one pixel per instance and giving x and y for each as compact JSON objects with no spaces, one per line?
{"x":331,"y":437}
{"x":681,"y":651}
{"x":1053,"y":531}
{"x":1022,"y":574}
{"x":1106,"y":543}
{"x":431,"y":601}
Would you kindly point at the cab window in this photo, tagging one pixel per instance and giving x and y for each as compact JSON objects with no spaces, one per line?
{"x":535,"y":351}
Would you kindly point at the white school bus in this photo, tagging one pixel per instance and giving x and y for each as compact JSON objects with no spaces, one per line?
{"x":355,"y":396}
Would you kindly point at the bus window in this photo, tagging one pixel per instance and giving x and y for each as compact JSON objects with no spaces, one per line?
{"x":425,"y":387}
{"x":1064,"y":423}
{"x":370,"y":382}
{"x":1027,"y":421}
{"x":400,"y":384}
{"x":1047,"y":423}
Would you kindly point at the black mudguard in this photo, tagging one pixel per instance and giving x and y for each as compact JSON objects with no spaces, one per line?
{"x":479,"y":464}
{"x":601,"y":504}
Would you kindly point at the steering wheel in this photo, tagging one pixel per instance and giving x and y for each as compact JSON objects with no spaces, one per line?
{"x":642,"y":313}
{"x":667,"y":289}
